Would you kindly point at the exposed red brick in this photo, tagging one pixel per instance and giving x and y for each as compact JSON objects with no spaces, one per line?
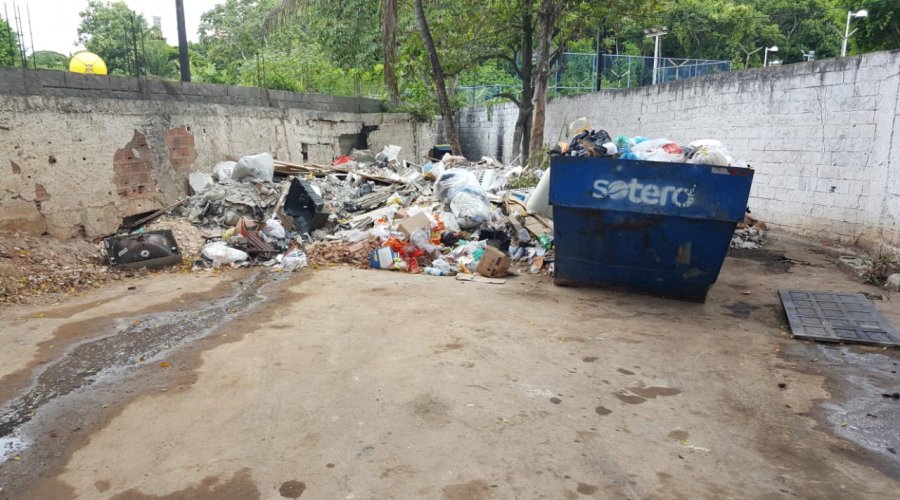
{"x":133,"y":168}
{"x":40,"y":194}
{"x":182,"y":149}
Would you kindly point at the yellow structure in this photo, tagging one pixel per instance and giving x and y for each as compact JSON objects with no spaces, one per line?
{"x":87,"y":63}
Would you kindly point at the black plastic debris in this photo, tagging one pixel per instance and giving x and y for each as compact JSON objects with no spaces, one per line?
{"x":305,"y":206}
{"x":151,"y":249}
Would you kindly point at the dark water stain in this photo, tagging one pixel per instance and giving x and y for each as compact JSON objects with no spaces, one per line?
{"x":240,"y":486}
{"x":740,"y":310}
{"x":473,"y":490}
{"x":589,"y":359}
{"x":602,"y":411}
{"x":292,"y":489}
{"x":555,"y":401}
{"x":773,"y":261}
{"x":102,"y":486}
{"x":679,"y":434}
{"x":629,"y":398}
{"x":587,"y":489}
{"x":653,"y":392}
{"x":330,"y":466}
{"x":624,"y":371}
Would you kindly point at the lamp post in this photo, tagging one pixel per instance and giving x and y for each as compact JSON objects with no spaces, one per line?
{"x":656,"y":34}
{"x":773,"y":48}
{"x":850,"y":15}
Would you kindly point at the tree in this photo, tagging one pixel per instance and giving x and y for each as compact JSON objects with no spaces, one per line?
{"x":548,"y":15}
{"x":447,"y":113}
{"x":124,"y":41}
{"x":48,"y":59}
{"x":9,"y":46}
{"x":879,"y":31}
{"x":389,"y":27}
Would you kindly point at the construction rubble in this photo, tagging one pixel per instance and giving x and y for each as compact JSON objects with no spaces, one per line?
{"x":443,"y":218}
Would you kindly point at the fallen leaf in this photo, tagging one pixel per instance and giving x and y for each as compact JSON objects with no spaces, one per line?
{"x":164,"y":364}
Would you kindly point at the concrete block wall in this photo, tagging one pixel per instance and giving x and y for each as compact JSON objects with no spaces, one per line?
{"x":78,"y":153}
{"x":824,"y":137}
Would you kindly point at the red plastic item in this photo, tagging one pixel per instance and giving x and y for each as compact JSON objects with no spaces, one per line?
{"x":341,"y":160}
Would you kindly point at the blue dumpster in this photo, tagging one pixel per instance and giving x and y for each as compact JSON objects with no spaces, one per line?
{"x":650,"y":227}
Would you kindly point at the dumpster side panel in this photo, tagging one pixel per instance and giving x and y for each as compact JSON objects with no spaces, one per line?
{"x":671,"y":189}
{"x":665,"y":256}
{"x":658,"y":228}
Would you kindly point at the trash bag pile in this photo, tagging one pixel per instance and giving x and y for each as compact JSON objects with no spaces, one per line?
{"x":587,"y":142}
{"x":448,"y":216}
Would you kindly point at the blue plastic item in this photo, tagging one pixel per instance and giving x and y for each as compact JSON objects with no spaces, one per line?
{"x":650,"y":227}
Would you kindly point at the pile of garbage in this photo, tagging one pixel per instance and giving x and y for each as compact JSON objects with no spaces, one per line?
{"x":598,"y":144}
{"x":749,"y":234}
{"x":444,"y":217}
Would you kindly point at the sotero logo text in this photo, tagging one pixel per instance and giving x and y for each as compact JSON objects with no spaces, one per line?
{"x":645,"y":194}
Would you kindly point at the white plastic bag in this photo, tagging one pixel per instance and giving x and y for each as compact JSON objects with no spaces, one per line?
{"x":468,"y":201}
{"x":223,"y":170}
{"x":710,"y":152}
{"x":294,"y":259}
{"x":659,"y":150}
{"x":389,"y":153}
{"x":221,"y":254}
{"x":274,"y":229}
{"x":260,"y":167}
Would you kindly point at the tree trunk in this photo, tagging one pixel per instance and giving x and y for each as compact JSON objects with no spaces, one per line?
{"x":447,"y":115}
{"x":522,"y":134}
{"x":547,"y":17}
{"x":389,"y":48}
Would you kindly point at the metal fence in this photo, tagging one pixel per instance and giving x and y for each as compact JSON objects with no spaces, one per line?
{"x":577,"y":73}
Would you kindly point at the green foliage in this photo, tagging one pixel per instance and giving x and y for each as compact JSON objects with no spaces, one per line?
{"x":48,"y":59}
{"x":9,"y":48}
{"x":125,"y":42}
{"x":879,"y":31}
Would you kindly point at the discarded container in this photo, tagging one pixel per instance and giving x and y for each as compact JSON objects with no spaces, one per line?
{"x":305,"y":206}
{"x":151,"y":249}
{"x":649,"y":227}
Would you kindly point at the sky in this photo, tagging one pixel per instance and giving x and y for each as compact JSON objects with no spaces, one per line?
{"x":55,"y":22}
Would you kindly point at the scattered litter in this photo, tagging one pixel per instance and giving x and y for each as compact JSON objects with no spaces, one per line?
{"x":749,"y":234}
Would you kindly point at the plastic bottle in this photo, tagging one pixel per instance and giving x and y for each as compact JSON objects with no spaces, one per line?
{"x":436,"y":272}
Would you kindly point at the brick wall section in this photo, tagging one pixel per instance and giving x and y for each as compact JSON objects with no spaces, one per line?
{"x":84,"y":151}
{"x":824,"y":137}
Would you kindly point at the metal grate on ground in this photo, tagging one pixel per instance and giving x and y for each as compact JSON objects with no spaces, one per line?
{"x":837,"y":317}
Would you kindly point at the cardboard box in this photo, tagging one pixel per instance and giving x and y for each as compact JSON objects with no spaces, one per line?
{"x":414,"y":223}
{"x":494,"y":263}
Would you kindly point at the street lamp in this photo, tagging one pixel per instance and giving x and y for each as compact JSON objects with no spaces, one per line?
{"x":657,"y":34}
{"x":847,"y":32}
{"x":773,"y":48}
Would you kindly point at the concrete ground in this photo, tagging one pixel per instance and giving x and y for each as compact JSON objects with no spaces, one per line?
{"x":353,"y":384}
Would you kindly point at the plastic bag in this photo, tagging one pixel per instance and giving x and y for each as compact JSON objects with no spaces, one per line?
{"x":221,"y":254}
{"x":659,"y":150}
{"x":294,"y":259}
{"x":223,"y":170}
{"x":274,"y":229}
{"x":260,"y":167}
{"x":471,"y":208}
{"x":468,"y":201}
{"x":388,"y":154}
{"x":710,"y":152}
